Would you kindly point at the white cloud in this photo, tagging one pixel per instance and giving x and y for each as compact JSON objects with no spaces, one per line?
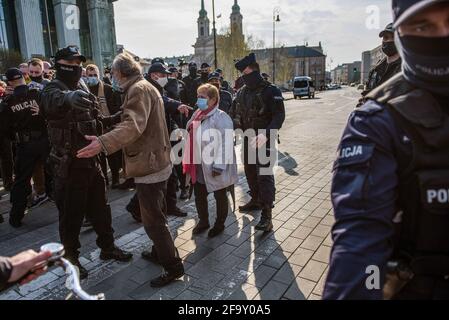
{"x":163,"y":28}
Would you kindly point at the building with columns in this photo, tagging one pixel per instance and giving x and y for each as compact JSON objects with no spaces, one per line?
{"x":37,"y":28}
{"x":204,"y":46}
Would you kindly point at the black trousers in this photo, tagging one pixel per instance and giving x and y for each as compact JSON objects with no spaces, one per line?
{"x":27,"y":156}
{"x":152,"y":208}
{"x":202,"y":205}
{"x":262,"y":185}
{"x":115,"y":164}
{"x":82,"y":193}
{"x":6,"y":162}
{"x":172,"y":187}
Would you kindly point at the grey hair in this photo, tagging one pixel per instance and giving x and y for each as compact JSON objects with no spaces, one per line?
{"x":126,"y":65}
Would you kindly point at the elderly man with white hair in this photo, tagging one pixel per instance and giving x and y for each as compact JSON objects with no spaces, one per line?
{"x":144,"y":138}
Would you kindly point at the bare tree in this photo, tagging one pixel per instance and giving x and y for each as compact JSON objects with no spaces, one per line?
{"x":9,"y":59}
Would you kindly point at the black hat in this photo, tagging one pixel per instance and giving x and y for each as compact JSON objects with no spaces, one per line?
{"x":219,"y":71}
{"x":388,"y":29}
{"x":172,"y":69}
{"x":158,"y":60}
{"x":69,"y":53}
{"x":13,"y":74}
{"x":405,"y":9}
{"x":214,"y":75}
{"x":205,"y":65}
{"x":245,"y":62}
{"x":158,"y":67}
{"x":193,"y":64}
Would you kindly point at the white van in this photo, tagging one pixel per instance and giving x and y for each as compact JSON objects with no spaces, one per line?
{"x":303,"y":87}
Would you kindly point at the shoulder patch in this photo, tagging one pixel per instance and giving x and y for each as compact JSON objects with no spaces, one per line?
{"x":351,"y":153}
{"x":369,"y":108}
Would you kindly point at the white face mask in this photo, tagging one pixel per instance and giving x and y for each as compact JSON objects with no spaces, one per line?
{"x":162,"y":81}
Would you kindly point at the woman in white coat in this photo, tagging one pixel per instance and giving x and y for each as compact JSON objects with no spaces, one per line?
{"x":209,"y":158}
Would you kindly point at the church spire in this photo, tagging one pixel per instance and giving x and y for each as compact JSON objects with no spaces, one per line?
{"x":203,"y":12}
{"x":236,"y":7}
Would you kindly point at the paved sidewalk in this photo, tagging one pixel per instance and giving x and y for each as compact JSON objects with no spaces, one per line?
{"x":290,"y":263}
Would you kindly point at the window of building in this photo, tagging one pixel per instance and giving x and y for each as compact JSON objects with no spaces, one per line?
{"x":49,"y":27}
{"x":85,"y":41}
{"x":8,"y":26}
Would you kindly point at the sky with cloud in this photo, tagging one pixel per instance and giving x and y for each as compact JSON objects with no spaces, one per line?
{"x":153,"y":28}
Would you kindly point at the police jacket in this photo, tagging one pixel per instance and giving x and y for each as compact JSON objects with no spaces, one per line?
{"x":225,"y":101}
{"x":381,"y":73}
{"x":390,"y":190}
{"x":190,"y":90}
{"x":21,"y":115}
{"x":171,"y":107}
{"x":259,"y":108}
{"x":68,"y":127}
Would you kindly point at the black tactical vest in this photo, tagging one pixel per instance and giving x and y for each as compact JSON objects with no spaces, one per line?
{"x":67,"y":134}
{"x":422,"y":237}
{"x":251,"y":111}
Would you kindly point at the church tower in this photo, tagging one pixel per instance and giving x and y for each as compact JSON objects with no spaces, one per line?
{"x":236,"y":20}
{"x":203,"y":23}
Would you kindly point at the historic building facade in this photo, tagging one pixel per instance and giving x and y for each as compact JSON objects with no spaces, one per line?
{"x":204,"y":46}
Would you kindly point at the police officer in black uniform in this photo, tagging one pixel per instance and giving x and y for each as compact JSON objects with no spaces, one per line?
{"x":202,"y":79}
{"x":79,"y":183}
{"x":21,"y":118}
{"x":189,"y":82}
{"x":388,"y":66}
{"x":225,"y":96}
{"x":259,"y":105}
{"x":391,"y":180}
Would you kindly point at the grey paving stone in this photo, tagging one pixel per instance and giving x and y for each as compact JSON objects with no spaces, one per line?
{"x":273,"y":290}
{"x":301,"y":256}
{"x":300,"y":289}
{"x":312,"y":242}
{"x":313,"y":270}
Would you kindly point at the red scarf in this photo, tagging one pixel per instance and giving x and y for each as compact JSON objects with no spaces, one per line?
{"x":189,"y":167}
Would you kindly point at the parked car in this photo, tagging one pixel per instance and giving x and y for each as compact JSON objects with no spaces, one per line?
{"x":303,"y":87}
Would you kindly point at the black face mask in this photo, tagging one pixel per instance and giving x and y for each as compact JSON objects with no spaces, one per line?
{"x":70,"y":75}
{"x":37,"y":79}
{"x":253,"y":79}
{"x":204,"y":76}
{"x":389,"y":48}
{"x":193,"y":72}
{"x":426,"y":62}
{"x":21,"y":91}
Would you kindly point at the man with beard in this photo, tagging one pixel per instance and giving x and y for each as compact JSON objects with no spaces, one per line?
{"x":391,"y":178}
{"x":79,"y":183}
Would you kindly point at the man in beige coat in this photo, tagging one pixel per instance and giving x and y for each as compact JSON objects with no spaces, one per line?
{"x":144,"y":138}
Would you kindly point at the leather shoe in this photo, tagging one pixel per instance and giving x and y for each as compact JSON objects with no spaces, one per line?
{"x":116,"y":254}
{"x":253,"y":205}
{"x":216,"y":231}
{"x":167,"y":278}
{"x":200,"y":228}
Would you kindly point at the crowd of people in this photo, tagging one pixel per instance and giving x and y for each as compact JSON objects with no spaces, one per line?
{"x":72,"y":132}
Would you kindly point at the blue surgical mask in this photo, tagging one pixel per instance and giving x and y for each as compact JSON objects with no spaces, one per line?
{"x":202,"y":104}
{"x":116,"y":85}
{"x":92,"y":81}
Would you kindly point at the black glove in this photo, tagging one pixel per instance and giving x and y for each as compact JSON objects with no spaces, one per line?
{"x":78,"y":99}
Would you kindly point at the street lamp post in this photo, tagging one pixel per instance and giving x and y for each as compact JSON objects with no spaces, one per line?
{"x":276,"y":18}
{"x":215,"y":36}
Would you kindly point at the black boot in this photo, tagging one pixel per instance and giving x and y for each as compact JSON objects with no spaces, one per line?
{"x":253,"y":205}
{"x":83,"y":273}
{"x":14,"y":221}
{"x":176,"y":212}
{"x":216,"y":231}
{"x":200,"y":228}
{"x":184,"y":194}
{"x":116,"y":254}
{"x":266,"y":223}
{"x":168,"y":277}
